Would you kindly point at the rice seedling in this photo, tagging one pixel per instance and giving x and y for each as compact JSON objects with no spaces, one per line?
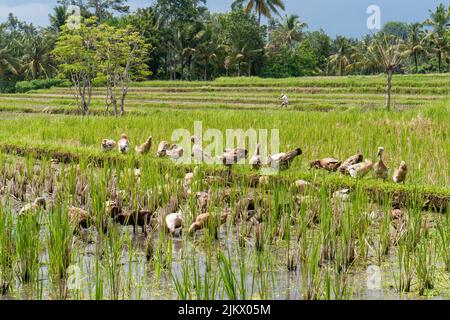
{"x":425,"y":264}
{"x":443,"y":227}
{"x":60,"y":249}
{"x":6,"y":250}
{"x":27,"y":247}
{"x":406,"y":270}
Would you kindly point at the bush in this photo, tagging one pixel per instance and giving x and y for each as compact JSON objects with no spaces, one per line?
{"x":6,"y":86}
{"x":24,"y":86}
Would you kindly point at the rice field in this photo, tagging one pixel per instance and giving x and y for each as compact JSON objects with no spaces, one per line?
{"x":80,"y":223}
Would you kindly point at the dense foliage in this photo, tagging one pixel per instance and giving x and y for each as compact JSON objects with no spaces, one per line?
{"x":184,"y":41}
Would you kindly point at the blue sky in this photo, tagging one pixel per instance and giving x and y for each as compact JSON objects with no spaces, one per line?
{"x":336,"y":17}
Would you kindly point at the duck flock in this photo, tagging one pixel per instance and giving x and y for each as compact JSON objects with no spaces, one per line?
{"x":171,"y":216}
{"x":355,"y":166}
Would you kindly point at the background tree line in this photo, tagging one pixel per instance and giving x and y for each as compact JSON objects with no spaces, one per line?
{"x":182,"y":40}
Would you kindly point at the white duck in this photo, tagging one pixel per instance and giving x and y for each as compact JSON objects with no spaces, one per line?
{"x":174,"y":223}
{"x":360,"y":169}
{"x":197,"y":151}
{"x":175,"y":152}
{"x":124,"y":144}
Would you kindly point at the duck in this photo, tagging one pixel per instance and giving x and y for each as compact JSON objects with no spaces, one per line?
{"x":145,"y":147}
{"x":78,"y":217}
{"x":124,"y":144}
{"x":329,"y":164}
{"x":38,"y":204}
{"x":233,"y":156}
{"x":175,"y":152}
{"x":381,"y":170}
{"x":188,"y":179}
{"x":342,"y":195}
{"x":400,"y":173}
{"x":162,"y":149}
{"x":203,"y":219}
{"x":108,"y":145}
{"x":256,"y":160}
{"x":197,"y":151}
{"x":360,"y":169}
{"x":174,"y":223}
{"x":263,"y":180}
{"x":283,"y":160}
{"x":357,"y":158}
{"x":302,"y":186}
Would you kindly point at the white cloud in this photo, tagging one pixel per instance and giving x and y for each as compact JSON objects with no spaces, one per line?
{"x":32,"y":13}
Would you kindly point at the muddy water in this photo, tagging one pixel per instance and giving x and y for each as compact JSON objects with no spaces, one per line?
{"x":140,"y":281}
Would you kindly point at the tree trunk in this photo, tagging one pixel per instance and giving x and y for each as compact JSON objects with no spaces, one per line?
{"x":388,"y":89}
{"x":439,"y":61}
{"x":205,"y":73}
{"x":416,"y":62}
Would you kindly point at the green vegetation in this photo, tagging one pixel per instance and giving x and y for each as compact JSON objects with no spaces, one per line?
{"x":80,"y":222}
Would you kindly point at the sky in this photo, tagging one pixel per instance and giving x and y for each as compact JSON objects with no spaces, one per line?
{"x":335,"y":17}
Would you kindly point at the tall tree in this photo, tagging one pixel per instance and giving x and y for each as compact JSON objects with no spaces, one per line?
{"x":242,"y":40}
{"x":58,"y":18}
{"x":102,"y":9}
{"x":341,"y":59}
{"x":386,"y":52}
{"x":121,"y":53}
{"x":76,"y":51}
{"x":261,"y":7}
{"x":415,"y":43}
{"x":395,"y":28}
{"x":439,"y":21}
{"x":36,"y":62}
{"x":290,"y":30}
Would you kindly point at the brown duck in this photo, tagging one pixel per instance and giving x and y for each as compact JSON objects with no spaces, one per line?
{"x":78,"y":217}
{"x":162,"y":148}
{"x":357,"y":158}
{"x":233,"y":156}
{"x":108,"y":145}
{"x":203,"y":219}
{"x":381,"y":170}
{"x":283,"y":160}
{"x":36,"y":205}
{"x":145,"y":147}
{"x":329,"y":164}
{"x":400,"y":173}
{"x":256,"y":160}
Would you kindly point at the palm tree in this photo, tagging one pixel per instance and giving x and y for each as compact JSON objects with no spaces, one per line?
{"x":385,"y":52}
{"x":36,"y":62}
{"x":291,"y":29}
{"x":58,"y":18}
{"x":415,"y":43}
{"x":341,"y":59}
{"x":439,"y":21}
{"x":261,"y":7}
{"x":206,"y":49}
{"x":8,"y":63}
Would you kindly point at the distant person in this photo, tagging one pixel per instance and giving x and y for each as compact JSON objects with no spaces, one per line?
{"x":284,"y":101}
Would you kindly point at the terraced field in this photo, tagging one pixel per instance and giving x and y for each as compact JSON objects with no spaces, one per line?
{"x":321,"y":94}
{"x":302,"y":233}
